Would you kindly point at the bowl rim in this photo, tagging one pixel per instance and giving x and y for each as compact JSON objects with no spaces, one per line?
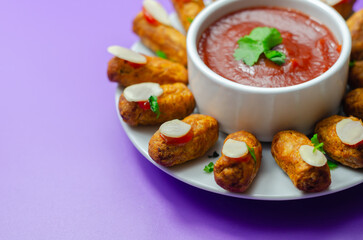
{"x":208,"y":12}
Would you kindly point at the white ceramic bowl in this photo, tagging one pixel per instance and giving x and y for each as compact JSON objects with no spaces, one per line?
{"x":265,"y":111}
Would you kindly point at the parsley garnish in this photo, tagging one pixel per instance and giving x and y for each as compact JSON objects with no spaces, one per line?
{"x":209,"y":168}
{"x":317,"y":144}
{"x":214,"y":155}
{"x":252,"y":152}
{"x":351,"y":63}
{"x":161,"y":54}
{"x":154,"y":106}
{"x":332,"y":165}
{"x":260,"y":40}
{"x":190,"y":19}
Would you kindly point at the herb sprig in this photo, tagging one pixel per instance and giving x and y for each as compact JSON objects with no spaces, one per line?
{"x":317,"y":144}
{"x":209,"y":168}
{"x":252,"y":152}
{"x":161,"y":54}
{"x":154,"y":106}
{"x":260,"y":40}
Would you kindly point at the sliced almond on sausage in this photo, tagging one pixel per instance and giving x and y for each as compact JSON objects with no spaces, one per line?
{"x":316,"y":159}
{"x":157,"y":11}
{"x":350,"y":132}
{"x":142,"y":91}
{"x":127,"y":54}
{"x":175,"y":128}
{"x":235,"y":149}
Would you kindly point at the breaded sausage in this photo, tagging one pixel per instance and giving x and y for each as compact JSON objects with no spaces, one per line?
{"x":187,"y":10}
{"x":334,"y":147}
{"x":356,"y":75}
{"x":237,"y":176}
{"x":353,"y":103}
{"x":205,"y":134}
{"x":355,"y":25}
{"x":285,"y":149}
{"x":161,"y":38}
{"x":344,"y":7}
{"x":156,"y":69}
{"x":176,"y":102}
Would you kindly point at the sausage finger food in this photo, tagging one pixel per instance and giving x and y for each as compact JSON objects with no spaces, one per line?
{"x":239,"y":163}
{"x":355,"y":25}
{"x":342,"y":138}
{"x":353,"y":103}
{"x":158,"y":35}
{"x":307,"y":169}
{"x":356,"y":74}
{"x":171,"y":101}
{"x":129,"y":67}
{"x":178,"y":141}
{"x":187,"y":10}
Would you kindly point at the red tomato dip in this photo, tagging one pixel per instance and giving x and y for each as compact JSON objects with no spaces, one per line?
{"x":310,"y":47}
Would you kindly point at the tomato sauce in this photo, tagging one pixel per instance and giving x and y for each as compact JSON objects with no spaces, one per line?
{"x":310,"y":47}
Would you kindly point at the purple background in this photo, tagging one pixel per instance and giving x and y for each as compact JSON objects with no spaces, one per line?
{"x":67,"y":168}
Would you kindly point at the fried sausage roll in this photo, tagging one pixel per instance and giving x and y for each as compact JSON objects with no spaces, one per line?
{"x":182,"y":141}
{"x":294,"y":153}
{"x":187,"y":10}
{"x":356,"y":74}
{"x":355,"y":25}
{"x":334,"y":133}
{"x":353,"y":103}
{"x":155,"y":69}
{"x":175,"y":101}
{"x":237,"y":167}
{"x":161,"y":37}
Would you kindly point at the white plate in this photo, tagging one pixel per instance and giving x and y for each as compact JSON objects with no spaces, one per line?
{"x":271,"y":183}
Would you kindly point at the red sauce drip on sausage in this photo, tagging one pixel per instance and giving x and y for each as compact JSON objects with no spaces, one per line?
{"x":310,"y":47}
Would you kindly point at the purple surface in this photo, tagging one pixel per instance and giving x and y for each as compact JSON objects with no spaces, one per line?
{"x":67,"y":168}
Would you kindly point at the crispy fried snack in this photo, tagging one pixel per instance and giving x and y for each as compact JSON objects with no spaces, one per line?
{"x":156,"y":69}
{"x":176,"y":102}
{"x":159,"y":37}
{"x":345,"y":8}
{"x":353,"y":103}
{"x":356,"y":75}
{"x":334,"y":147}
{"x":285,"y":149}
{"x":187,"y":10}
{"x":205,"y":134}
{"x":237,"y":176}
{"x":355,"y":25}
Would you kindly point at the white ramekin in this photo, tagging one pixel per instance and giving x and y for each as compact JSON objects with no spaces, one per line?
{"x":265,"y":111}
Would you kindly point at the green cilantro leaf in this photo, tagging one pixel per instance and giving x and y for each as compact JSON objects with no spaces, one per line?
{"x":317,"y":144}
{"x":260,"y":40}
{"x":161,"y":54}
{"x":209,"y":168}
{"x":252,"y":152}
{"x":249,"y":51}
{"x":190,"y":19}
{"x":154,"y":106}
{"x":351,"y":63}
{"x":276,"y":56}
{"x":332,"y":165}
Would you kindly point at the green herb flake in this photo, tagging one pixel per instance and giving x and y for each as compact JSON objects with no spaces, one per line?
{"x":351,"y":63}
{"x":190,"y":19}
{"x":252,"y":152}
{"x":214,"y":155}
{"x":154,"y":106}
{"x":332,"y":165}
{"x":260,"y":40}
{"x":161,"y":54}
{"x":209,"y":168}
{"x":276,"y":56}
{"x":317,"y":144}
